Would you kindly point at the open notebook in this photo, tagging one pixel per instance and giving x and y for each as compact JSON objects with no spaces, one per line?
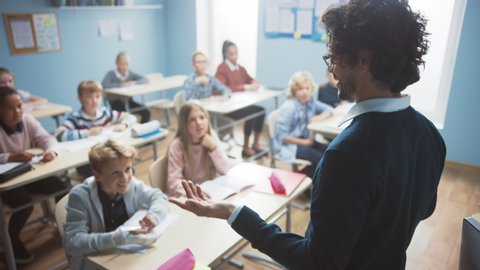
{"x":245,"y":175}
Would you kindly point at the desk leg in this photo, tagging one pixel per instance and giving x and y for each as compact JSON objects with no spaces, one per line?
{"x":288,"y":218}
{"x":155,"y":154}
{"x":6,"y":239}
{"x":214,"y":121}
{"x":57,"y":120}
{"x":127,"y":105}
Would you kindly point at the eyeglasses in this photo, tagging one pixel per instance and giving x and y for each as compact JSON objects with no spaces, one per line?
{"x":328,"y":61}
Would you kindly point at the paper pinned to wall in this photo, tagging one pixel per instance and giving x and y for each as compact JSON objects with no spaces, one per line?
{"x":107,"y":28}
{"x":126,"y":30}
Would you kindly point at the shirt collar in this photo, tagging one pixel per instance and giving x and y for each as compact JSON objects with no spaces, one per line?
{"x":105,"y":199}
{"x":84,"y":115}
{"x":384,"y":105}
{"x":231,"y":65}
{"x":120,"y":76}
{"x":9,"y":131}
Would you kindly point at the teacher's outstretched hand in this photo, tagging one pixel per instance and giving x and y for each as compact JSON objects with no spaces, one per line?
{"x":198,"y":203}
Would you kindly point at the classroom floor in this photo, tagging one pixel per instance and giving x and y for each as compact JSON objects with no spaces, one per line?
{"x":435,"y":245}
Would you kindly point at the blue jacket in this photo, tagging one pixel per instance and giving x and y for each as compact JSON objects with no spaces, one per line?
{"x":377,"y":180}
{"x":290,"y":123}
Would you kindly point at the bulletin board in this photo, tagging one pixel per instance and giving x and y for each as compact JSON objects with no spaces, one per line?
{"x":32,"y":32}
{"x":298,"y":19}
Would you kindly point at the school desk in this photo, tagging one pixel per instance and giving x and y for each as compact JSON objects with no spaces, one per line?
{"x":330,"y":127}
{"x":49,"y":110}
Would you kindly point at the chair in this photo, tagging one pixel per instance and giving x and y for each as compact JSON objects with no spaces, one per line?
{"x":163,"y":103}
{"x":157,"y":173}
{"x":61,"y":214}
{"x":178,"y":100}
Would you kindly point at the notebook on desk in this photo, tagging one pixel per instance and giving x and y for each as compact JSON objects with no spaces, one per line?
{"x":11,"y":169}
{"x":261,"y":176}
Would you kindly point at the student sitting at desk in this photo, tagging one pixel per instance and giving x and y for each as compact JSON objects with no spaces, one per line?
{"x":29,"y":101}
{"x":91,"y":119}
{"x":18,"y":133}
{"x":97,"y":207}
{"x":291,"y":134}
{"x":233,"y":75}
{"x":201,"y":85}
{"x":195,"y":153}
{"x":124,"y":77}
{"x":328,"y":92}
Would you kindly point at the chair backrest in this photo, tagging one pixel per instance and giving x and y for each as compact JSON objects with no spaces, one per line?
{"x":61,"y":214}
{"x":154,"y":76}
{"x":272,"y":122}
{"x":158,"y":173}
{"x":178,"y":100}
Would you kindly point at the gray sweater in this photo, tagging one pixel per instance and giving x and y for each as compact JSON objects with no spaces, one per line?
{"x":85,"y":229}
{"x":112,"y":81}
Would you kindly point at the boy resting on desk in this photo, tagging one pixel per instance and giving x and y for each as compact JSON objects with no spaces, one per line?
{"x":97,"y":207}
{"x":18,"y":133}
{"x":29,"y":101}
{"x":122,"y":76}
{"x":91,"y":119}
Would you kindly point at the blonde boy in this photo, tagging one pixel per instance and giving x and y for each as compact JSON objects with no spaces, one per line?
{"x":98,"y":206}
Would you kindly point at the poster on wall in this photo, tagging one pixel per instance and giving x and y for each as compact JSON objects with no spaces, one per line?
{"x":32,"y":32}
{"x":298,"y":19}
{"x":46,"y":30}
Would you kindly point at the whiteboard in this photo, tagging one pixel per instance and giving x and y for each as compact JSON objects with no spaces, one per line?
{"x":430,"y":93}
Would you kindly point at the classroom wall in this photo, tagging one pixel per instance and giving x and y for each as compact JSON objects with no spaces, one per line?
{"x":462,"y":124}
{"x":84,"y":54}
{"x":278,"y":59}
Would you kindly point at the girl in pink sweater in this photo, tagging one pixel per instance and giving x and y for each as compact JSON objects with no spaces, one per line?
{"x":195,"y":153}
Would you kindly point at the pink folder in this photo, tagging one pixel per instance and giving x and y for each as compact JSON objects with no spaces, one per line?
{"x":182,"y":261}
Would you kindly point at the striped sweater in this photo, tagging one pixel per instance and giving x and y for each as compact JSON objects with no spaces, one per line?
{"x":78,"y":123}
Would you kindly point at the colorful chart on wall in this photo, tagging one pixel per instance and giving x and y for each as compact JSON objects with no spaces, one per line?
{"x":298,"y":19}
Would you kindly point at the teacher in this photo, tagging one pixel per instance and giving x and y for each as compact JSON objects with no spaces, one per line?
{"x":378,"y":179}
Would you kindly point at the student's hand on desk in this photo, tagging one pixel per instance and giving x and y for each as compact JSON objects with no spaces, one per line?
{"x":208,"y":142}
{"x":119,"y":127}
{"x":251,"y":87}
{"x":147,"y":223}
{"x":198,"y":203}
{"x":94,"y":131}
{"x":202,"y":79}
{"x":20,"y":157}
{"x":49,"y":156}
{"x":127,"y":84}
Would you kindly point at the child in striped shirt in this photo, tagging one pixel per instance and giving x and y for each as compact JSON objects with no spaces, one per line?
{"x":90,"y":119}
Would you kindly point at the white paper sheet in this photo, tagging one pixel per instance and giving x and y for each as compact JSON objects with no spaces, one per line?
{"x":126,"y":30}
{"x":107,"y":28}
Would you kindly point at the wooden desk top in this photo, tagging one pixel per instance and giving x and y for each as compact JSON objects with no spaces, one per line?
{"x":238,"y":100}
{"x":69,"y":159}
{"x":49,"y":109}
{"x":153,"y":86}
{"x":208,"y":238}
{"x":330,"y":126}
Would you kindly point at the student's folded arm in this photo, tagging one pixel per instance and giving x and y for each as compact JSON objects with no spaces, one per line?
{"x":110,"y":81}
{"x":123,"y":118}
{"x":64,"y":134}
{"x":219,"y":159}
{"x":175,"y":169}
{"x":220,"y":87}
{"x":333,"y":231}
{"x":41,"y":137}
{"x":155,"y":200}
{"x":137,"y":78}
{"x":78,"y":239}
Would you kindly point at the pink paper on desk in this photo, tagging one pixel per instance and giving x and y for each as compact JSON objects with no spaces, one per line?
{"x":182,"y":261}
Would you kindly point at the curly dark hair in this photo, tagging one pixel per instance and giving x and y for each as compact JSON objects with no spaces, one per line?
{"x":394,"y":34}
